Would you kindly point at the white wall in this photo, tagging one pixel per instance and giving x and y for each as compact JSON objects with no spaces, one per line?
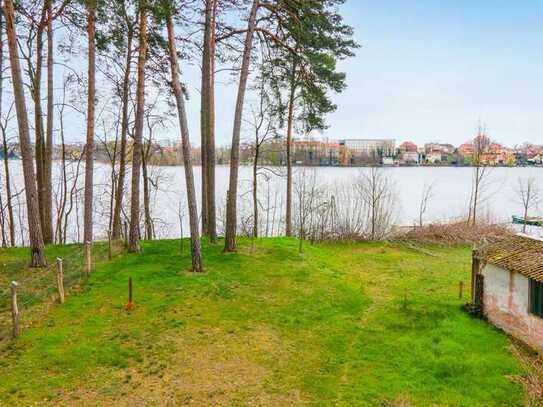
{"x":506,"y":302}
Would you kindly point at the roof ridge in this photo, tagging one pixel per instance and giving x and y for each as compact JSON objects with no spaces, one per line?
{"x":519,"y":253}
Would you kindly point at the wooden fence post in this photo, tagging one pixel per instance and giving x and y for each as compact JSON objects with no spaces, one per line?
{"x":60,"y":280}
{"x":15,"y":309}
{"x":109,"y":244}
{"x":460,"y":289}
{"x":88,"y":258}
{"x":130,"y":306}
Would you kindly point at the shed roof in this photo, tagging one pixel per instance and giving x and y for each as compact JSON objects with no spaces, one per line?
{"x":521,"y":254}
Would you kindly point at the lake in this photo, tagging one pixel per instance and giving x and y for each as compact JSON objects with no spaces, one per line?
{"x":450,"y":194}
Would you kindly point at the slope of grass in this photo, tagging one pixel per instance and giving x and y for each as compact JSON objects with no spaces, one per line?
{"x":343,"y":324}
{"x":37,"y":287}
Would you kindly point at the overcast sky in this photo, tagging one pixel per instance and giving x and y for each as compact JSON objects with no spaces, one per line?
{"x":429,"y":70}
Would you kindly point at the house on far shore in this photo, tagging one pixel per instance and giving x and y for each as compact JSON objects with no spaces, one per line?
{"x":507,"y":287}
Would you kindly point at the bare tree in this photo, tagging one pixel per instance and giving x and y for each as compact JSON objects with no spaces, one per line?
{"x":110,"y":148}
{"x":480,"y":175}
{"x":529,"y":195}
{"x":152,"y":121}
{"x":38,"y":258}
{"x":427,"y":195}
{"x":3,"y":129}
{"x":20,"y":213}
{"x":61,"y":205}
{"x":73,"y":203}
{"x":309,"y":201}
{"x":66,"y":193}
{"x":2,"y":222}
{"x":262,"y":125}
{"x":343,"y":216}
{"x":377,"y":192}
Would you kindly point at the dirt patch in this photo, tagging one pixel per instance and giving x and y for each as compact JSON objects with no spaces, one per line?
{"x":203,"y":367}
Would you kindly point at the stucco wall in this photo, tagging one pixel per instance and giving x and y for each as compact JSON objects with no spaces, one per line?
{"x":506,"y":301}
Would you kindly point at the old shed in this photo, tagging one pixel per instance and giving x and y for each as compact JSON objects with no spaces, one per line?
{"x":507,"y":286}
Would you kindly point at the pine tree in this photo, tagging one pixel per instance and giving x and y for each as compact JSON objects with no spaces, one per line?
{"x":305,"y":63}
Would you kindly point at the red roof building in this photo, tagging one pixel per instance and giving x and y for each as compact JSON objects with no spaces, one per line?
{"x":408,"y":146}
{"x":495,"y":147}
{"x":466,"y":148}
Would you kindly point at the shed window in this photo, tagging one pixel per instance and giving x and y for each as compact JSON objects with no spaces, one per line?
{"x":536,"y":298}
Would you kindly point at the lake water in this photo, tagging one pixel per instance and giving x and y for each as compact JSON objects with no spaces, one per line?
{"x":450,"y":196}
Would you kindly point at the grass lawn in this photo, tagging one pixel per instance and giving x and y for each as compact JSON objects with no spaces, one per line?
{"x":344,"y":324}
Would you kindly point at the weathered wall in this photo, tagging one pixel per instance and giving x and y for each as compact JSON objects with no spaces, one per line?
{"x":506,"y":296}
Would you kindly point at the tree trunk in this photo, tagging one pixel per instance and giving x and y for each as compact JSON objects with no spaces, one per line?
{"x":4,"y":145}
{"x":231,"y":205}
{"x":9,"y":203}
{"x":134,"y":240}
{"x":204,"y":112}
{"x":7,"y":177}
{"x":2,"y":223}
{"x":210,"y":141}
{"x":38,"y":127}
{"x":38,"y":258}
{"x":116,"y":233}
{"x":255,"y":190}
{"x":475,"y":196}
{"x":74,"y":199}
{"x":187,"y":160}
{"x":64,"y":188}
{"x":48,"y":235}
{"x":290,"y":124}
{"x":112,"y":178}
{"x":146,"y":194}
{"x":527,"y":200}
{"x":89,"y":149}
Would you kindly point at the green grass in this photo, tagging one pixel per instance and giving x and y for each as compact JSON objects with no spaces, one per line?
{"x":344,"y":324}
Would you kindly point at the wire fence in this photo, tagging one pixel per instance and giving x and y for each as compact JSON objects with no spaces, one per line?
{"x":38,"y":286}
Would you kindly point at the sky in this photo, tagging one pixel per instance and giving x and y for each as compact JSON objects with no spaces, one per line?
{"x":427,"y":70}
{"x":431,"y":70}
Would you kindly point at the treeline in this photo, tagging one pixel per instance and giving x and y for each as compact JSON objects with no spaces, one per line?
{"x":272,"y":152}
{"x":120,"y":63}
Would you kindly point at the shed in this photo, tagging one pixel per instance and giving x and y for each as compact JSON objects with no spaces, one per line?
{"x":507,"y":286}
